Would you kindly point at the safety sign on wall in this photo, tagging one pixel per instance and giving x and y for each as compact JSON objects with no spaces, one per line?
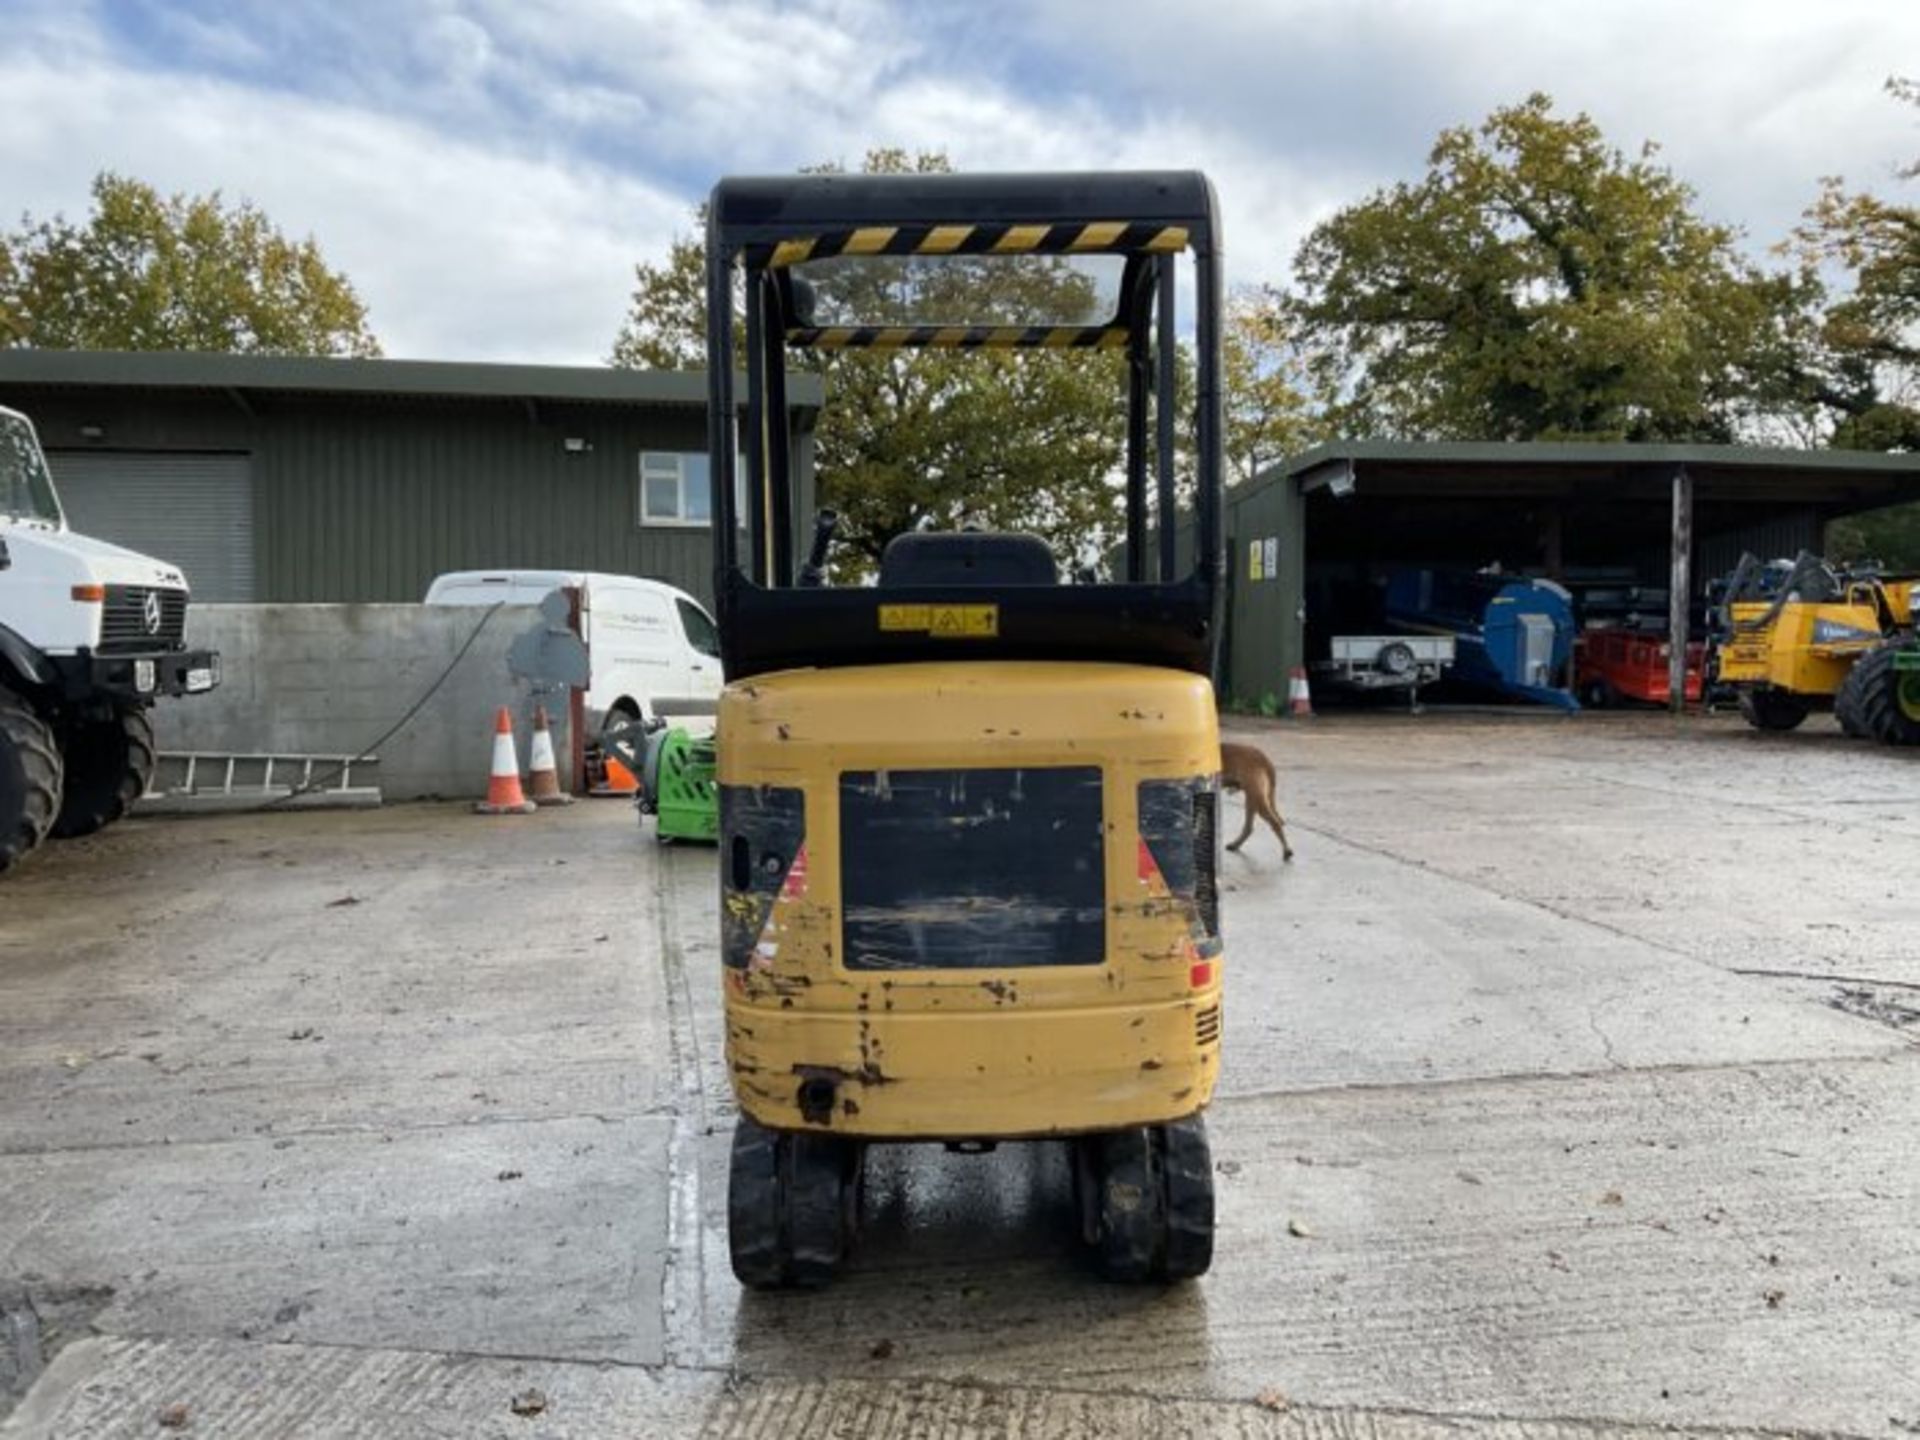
{"x":1263,"y":558}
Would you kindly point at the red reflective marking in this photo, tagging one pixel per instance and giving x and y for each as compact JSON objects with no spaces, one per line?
{"x":1200,"y":975}
{"x":796,"y":881}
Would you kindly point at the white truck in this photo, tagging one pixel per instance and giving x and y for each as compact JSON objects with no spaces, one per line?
{"x":90,"y":636}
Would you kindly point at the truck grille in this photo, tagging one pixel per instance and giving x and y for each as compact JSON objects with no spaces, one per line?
{"x":126,"y":621}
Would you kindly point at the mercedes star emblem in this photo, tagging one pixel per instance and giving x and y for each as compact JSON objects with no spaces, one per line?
{"x":150,"y":612}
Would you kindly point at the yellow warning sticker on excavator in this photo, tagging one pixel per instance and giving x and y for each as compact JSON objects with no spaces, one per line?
{"x":945,"y":622}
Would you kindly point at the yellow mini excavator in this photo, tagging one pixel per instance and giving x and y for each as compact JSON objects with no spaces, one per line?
{"x":967,"y":811}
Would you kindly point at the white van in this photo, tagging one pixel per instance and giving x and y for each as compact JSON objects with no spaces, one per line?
{"x":651,"y":648}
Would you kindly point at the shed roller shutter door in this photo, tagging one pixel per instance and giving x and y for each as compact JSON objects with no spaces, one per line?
{"x":193,"y":511}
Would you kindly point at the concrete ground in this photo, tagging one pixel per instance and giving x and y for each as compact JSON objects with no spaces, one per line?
{"x":1570,"y":1089}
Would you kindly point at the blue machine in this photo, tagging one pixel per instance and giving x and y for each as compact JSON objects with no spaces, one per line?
{"x":1512,"y":636}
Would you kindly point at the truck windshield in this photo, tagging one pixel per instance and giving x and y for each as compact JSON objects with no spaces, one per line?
{"x":26,"y":489}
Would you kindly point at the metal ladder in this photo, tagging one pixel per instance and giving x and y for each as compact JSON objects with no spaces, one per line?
{"x":186,"y":781}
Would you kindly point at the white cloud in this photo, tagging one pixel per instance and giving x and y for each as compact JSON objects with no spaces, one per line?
{"x":488,"y":170}
{"x":458,"y":250}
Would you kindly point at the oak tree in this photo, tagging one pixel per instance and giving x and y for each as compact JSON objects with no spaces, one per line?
{"x":1535,"y":282}
{"x":182,"y":272}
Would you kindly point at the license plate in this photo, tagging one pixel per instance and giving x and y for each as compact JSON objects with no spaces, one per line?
{"x":198,"y":679}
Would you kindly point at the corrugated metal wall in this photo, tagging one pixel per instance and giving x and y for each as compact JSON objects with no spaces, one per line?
{"x":1778,"y":537}
{"x":367,"y":498}
{"x":371,"y":501}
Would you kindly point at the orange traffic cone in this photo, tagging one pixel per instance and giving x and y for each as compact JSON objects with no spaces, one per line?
{"x":543,"y":774}
{"x":504,"y":796}
{"x":618,"y":779}
{"x":1299,"y":698}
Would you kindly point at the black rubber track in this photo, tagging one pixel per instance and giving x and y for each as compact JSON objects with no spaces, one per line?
{"x":1772,"y":709}
{"x":819,"y":1172}
{"x":1132,"y":1205}
{"x":792,"y":1206}
{"x":755,"y":1239}
{"x":30,"y":781}
{"x":109,"y":763}
{"x":1880,"y":698}
{"x":1187,"y":1168}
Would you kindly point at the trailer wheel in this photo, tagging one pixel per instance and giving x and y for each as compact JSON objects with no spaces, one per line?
{"x":1395,"y":658}
{"x":1889,"y":698}
{"x":109,"y":763}
{"x":30,"y":780}
{"x":1773,"y":709}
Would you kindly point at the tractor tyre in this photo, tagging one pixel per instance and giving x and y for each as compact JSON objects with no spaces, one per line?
{"x":1889,"y":698}
{"x":1773,"y":709}
{"x":1849,"y":705}
{"x":31,"y":777}
{"x":1187,"y":1168}
{"x":109,"y":765}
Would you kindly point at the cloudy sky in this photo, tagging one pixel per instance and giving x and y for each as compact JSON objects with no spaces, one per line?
{"x":487,"y":171}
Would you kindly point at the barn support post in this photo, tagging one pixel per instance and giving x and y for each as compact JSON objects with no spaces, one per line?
{"x":1680,"y":590}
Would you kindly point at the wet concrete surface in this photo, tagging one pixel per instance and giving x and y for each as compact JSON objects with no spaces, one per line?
{"x":1543,"y":1112}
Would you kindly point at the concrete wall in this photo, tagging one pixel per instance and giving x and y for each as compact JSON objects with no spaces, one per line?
{"x":330,"y":679}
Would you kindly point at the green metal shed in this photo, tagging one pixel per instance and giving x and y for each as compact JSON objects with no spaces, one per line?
{"x":290,"y":479}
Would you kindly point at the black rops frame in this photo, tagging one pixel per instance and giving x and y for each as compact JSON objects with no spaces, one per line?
{"x":1150,"y":615}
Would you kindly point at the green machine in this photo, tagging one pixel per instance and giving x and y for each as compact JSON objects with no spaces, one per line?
{"x":677,"y":786}
{"x":675,"y":770}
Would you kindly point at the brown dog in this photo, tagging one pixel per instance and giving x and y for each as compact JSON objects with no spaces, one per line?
{"x":1247,"y":769}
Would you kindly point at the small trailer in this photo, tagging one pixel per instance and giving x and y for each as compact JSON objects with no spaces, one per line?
{"x":1387,"y":662}
{"x":1613,"y":665}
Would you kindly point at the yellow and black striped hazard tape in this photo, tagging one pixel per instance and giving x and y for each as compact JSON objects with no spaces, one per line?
{"x":959,"y":337}
{"x":1101,"y":237}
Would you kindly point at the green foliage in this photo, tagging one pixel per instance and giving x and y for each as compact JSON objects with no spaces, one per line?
{"x":1536,"y":283}
{"x":1016,"y":440}
{"x":1854,"y":367}
{"x":1890,"y":537}
{"x":1857,"y":360}
{"x":1268,"y":414}
{"x":147,"y":272}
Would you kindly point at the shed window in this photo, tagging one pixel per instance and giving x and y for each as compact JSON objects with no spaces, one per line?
{"x":676,"y":487}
